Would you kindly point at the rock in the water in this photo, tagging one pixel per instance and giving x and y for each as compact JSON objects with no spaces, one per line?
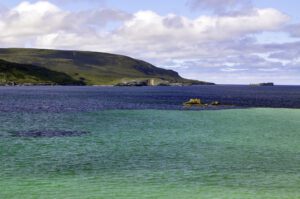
{"x":215,"y":103}
{"x":192,"y":102}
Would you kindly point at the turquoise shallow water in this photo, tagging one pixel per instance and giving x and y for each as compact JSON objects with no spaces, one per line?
{"x":249,"y":153}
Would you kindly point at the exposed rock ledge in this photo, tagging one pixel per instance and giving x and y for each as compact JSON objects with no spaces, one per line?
{"x":160,"y":82}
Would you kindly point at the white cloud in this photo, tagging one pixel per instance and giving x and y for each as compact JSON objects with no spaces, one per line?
{"x":148,"y":35}
{"x":27,"y":20}
{"x":224,"y":42}
{"x":230,"y":70}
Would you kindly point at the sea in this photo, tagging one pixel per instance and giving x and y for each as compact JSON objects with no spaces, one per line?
{"x":140,"y":142}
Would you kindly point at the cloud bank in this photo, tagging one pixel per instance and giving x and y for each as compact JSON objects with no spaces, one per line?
{"x":206,"y":47}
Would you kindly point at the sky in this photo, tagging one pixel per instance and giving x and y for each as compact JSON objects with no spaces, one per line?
{"x":221,"y":41}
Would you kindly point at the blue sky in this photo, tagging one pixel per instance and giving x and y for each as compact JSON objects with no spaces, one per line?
{"x":223,"y":41}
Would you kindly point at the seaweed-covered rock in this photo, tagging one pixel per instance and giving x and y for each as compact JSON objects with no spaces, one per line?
{"x":192,"y":102}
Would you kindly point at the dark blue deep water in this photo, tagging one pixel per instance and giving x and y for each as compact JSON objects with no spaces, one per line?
{"x":78,"y":99}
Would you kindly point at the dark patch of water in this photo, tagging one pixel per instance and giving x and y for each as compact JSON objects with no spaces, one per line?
{"x":48,"y":133}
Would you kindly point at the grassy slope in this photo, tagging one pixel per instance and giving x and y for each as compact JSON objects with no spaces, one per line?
{"x":23,"y":73}
{"x":92,"y":67}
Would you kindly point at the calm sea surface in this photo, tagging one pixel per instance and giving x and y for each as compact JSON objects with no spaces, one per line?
{"x":78,"y":99}
{"x":105,"y":142}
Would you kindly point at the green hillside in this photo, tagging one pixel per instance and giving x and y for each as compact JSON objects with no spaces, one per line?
{"x":92,"y":68}
{"x":13,"y":73}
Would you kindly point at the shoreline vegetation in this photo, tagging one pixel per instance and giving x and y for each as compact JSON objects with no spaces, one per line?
{"x":36,"y":67}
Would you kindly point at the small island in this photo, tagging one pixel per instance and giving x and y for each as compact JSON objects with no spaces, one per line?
{"x":199,"y":103}
{"x":263,"y":84}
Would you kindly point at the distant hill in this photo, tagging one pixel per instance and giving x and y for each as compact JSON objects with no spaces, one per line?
{"x":13,"y":74}
{"x":90,"y":68}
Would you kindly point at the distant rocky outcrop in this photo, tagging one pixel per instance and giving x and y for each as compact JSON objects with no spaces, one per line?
{"x":160,"y":82}
{"x":263,"y":84}
{"x":133,"y":83}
